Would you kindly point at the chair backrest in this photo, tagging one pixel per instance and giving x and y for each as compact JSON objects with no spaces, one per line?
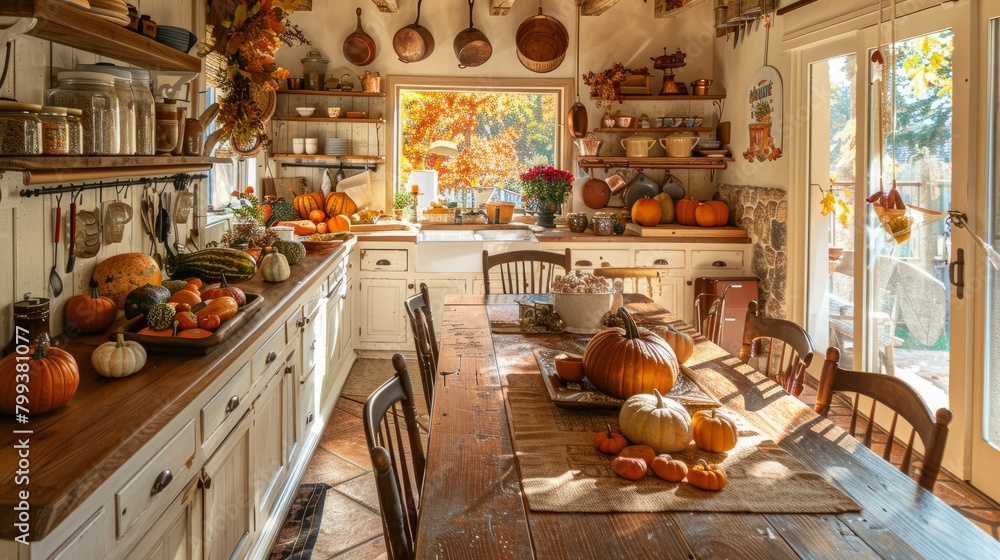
{"x":650,"y":276}
{"x":525,"y":272}
{"x":425,"y":356}
{"x":784,"y":349}
{"x":709,"y":311}
{"x":422,"y":301}
{"x":398,"y":468}
{"x":899,"y":397}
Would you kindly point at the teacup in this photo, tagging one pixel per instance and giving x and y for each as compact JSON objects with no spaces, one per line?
{"x":666,"y":122}
{"x":333,"y":112}
{"x":688,"y":121}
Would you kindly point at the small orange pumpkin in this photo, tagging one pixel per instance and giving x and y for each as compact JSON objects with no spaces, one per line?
{"x":643,"y":452}
{"x":317,"y":216}
{"x":51,"y":379}
{"x":321,"y":227}
{"x":681,"y":342}
{"x":713,"y":432}
{"x":646,"y":212}
{"x":704,"y":216}
{"x":721,"y":211}
{"x":209,"y":322}
{"x":90,"y":313}
{"x":186,"y":296}
{"x":186,"y":319}
{"x":629,"y":468}
{"x":609,"y":442}
{"x":685,"y":211}
{"x":668,"y":468}
{"x":707,"y":476}
{"x":338,"y":223}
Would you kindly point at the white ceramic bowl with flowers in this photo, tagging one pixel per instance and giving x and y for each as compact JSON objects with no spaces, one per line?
{"x":581,"y":299}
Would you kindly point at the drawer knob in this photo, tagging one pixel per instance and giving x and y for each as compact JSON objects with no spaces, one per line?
{"x":349,"y":265}
{"x":161,"y":482}
{"x":383,"y":262}
{"x":584,"y":263}
{"x":233,"y":404}
{"x":289,"y":369}
{"x":271,"y":356}
{"x":660,"y":262}
{"x":309,"y":418}
{"x":300,"y":323}
{"x":205,"y":482}
{"x":313,"y":345}
{"x":719,"y":264}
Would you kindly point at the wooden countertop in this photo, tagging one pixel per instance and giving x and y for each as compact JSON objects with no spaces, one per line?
{"x":561,"y":234}
{"x":74,"y":449}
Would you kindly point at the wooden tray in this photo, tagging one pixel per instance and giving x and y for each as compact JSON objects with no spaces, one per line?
{"x":189,"y":346}
{"x":323,"y":246}
{"x":585,"y":395}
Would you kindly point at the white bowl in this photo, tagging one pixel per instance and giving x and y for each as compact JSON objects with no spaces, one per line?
{"x":582,"y":313}
{"x":305,"y":111}
{"x":709,"y":144}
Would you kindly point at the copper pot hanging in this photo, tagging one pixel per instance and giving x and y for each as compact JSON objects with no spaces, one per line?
{"x":541,"y":43}
{"x":359,"y":47}
{"x":471,"y":45}
{"x":414,"y":42}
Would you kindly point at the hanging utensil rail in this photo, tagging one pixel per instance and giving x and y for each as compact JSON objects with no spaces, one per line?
{"x":178,"y":179}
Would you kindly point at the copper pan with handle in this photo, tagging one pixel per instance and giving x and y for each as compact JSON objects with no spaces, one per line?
{"x":541,"y":43}
{"x":414,"y":42}
{"x":471,"y":45}
{"x":359,"y":47}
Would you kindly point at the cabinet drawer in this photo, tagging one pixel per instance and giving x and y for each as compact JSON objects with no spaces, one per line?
{"x":154,"y":483}
{"x":313,"y":340}
{"x":86,"y":542}
{"x":719,"y":260}
{"x":314,"y":301}
{"x":336,"y":275}
{"x":390,"y":260}
{"x":659,"y":259}
{"x":225,"y":403}
{"x":267,"y":353}
{"x":599,"y":258}
{"x":294,"y":324}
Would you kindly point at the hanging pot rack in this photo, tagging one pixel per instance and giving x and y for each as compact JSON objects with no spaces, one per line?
{"x":179,"y":180}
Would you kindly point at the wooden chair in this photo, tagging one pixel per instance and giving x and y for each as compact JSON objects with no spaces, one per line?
{"x":422,"y":301}
{"x":398,"y":469}
{"x":709,"y":312}
{"x":525,"y":272}
{"x":784,"y":349}
{"x":635,"y":275}
{"x":899,"y":397}
{"x":426,"y":358}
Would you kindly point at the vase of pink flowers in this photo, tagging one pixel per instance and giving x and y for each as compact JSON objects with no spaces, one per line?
{"x":544,"y":189}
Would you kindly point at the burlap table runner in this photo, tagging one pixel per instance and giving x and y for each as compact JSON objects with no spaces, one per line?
{"x":561,"y":471}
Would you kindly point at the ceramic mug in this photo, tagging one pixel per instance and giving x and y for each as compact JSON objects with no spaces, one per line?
{"x":333,"y":112}
{"x":298,"y":145}
{"x":312,"y":145}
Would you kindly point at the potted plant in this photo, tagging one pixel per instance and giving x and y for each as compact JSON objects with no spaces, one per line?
{"x":248,"y":229}
{"x":402,"y":201}
{"x":606,"y":86}
{"x":544,"y":188}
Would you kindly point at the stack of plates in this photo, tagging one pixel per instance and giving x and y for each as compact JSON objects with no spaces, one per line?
{"x":335,"y":147}
{"x":111,"y":10}
{"x":175,"y":37}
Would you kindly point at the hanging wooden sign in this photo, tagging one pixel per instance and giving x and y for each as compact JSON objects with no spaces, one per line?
{"x":764,"y":116}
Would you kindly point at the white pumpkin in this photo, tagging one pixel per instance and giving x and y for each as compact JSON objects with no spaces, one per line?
{"x":118,"y":359}
{"x":661,"y":423}
{"x":274,"y":267}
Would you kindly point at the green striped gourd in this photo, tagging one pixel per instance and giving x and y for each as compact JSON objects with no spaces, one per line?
{"x":211,"y":264}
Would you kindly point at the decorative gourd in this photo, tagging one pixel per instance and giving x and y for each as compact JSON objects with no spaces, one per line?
{"x":90,"y":313}
{"x":627,"y":361}
{"x":707,"y":476}
{"x":666,"y":207}
{"x":306,"y":203}
{"x":143,"y":298}
{"x":225,"y":290}
{"x":321,"y":227}
{"x":174,"y":285}
{"x":186,"y":320}
{"x":339,"y":203}
{"x":118,"y":275}
{"x":681,"y":342}
{"x":282,"y":211}
{"x":274,"y":268}
{"x":194,"y":333}
{"x":705,"y":216}
{"x":685,"y":211}
{"x":146,"y":331}
{"x":668,"y":468}
{"x":609,"y":442}
{"x":658,"y":422}
{"x":721,"y":211}
{"x":266,"y":211}
{"x":646,"y":212}
{"x":225,"y":307}
{"x":210,"y":264}
{"x":714,"y":432}
{"x":317,"y":216}
{"x":293,"y":250}
{"x":193,"y":281}
{"x":160,"y":316}
{"x":210,"y":322}
{"x":118,"y":359}
{"x":255,"y":253}
{"x":186,"y":296}
{"x":52,"y":378}
{"x":644,"y":452}
{"x":338,"y":223}
{"x":300,"y":227}
{"x":629,"y":468}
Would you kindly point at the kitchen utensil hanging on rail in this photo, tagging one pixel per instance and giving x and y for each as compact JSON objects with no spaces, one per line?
{"x":414,"y":42}
{"x":577,"y":116}
{"x":55,"y":281}
{"x":359,"y":47}
{"x":471,"y":45}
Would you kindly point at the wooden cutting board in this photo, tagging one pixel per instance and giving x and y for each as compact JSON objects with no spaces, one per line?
{"x":380,"y":226}
{"x":678,"y":230}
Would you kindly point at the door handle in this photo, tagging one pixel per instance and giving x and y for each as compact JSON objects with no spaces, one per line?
{"x":719,"y":264}
{"x":956,"y":274}
{"x":586,"y":264}
{"x":383,"y":262}
{"x":660,"y":262}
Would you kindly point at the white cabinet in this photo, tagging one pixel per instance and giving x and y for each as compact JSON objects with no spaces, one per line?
{"x":174,"y":536}
{"x":228,"y":498}
{"x":270,"y":443}
{"x":340,"y":327}
{"x":383,"y":318}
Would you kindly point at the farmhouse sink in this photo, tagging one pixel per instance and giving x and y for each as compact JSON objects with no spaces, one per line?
{"x":461,"y":250}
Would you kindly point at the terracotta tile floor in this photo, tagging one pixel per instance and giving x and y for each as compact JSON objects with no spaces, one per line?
{"x":352,"y":527}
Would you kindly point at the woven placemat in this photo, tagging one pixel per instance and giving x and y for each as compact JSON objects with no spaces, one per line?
{"x":561,"y":471}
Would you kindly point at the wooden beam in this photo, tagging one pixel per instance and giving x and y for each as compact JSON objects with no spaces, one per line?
{"x":671,"y":8}
{"x":387,"y":6}
{"x":500,"y":7}
{"x":596,"y":7}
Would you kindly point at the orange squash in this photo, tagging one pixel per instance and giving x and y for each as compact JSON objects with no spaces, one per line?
{"x":51,"y":377}
{"x":609,"y":442}
{"x":194,"y":333}
{"x":194,"y":280}
{"x":90,"y":313}
{"x":707,"y":476}
{"x":321,"y":227}
{"x":306,"y":203}
{"x":186,"y":320}
{"x":301,"y":227}
{"x":317,"y":216}
{"x":685,"y":211}
{"x":224,"y":307}
{"x":646,"y":212}
{"x":338,"y":223}
{"x":339,"y":203}
{"x":714,"y":432}
{"x":668,"y":468}
{"x":721,"y":211}
{"x":643,"y":452}
{"x":150,"y":332}
{"x":223,"y":290}
{"x":185,"y":296}
{"x":629,"y":468}
{"x":118,"y":275}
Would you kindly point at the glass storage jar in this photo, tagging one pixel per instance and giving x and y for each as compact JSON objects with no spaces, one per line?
{"x":55,"y":130}
{"x":577,"y":222}
{"x":20,"y":129}
{"x":166,"y":126}
{"x":74,"y":120}
{"x":94,"y":94}
{"x":604,"y":223}
{"x":314,"y":70}
{"x":126,"y":102}
{"x":145,"y":112}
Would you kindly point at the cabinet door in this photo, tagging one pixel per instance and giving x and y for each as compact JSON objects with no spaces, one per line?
{"x":672,"y":295}
{"x":228,"y":497}
{"x":268,"y":445}
{"x":338,"y":336}
{"x":383,"y":318}
{"x":314,"y":342}
{"x":439,"y":288}
{"x":174,"y":535}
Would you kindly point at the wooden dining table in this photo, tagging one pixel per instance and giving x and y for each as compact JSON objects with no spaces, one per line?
{"x":473,"y":503}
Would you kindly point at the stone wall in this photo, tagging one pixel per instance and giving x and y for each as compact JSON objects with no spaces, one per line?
{"x":763,"y":212}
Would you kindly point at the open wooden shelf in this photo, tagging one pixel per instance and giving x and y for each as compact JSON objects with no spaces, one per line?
{"x":658,"y":129}
{"x":330,"y":119}
{"x":39,"y":170}
{"x":333,"y":93}
{"x":321,"y":159}
{"x":72,"y":26}
{"x":601,"y":162}
{"x":673,"y":97}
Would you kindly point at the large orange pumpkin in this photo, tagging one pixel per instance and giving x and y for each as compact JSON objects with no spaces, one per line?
{"x":306,"y":203}
{"x":685,"y":211}
{"x":646,"y":212}
{"x":704,"y":216}
{"x":338,"y":223}
{"x":90,"y":313}
{"x":340,"y":203}
{"x":52,"y":378}
{"x":627,"y":361}
{"x":118,"y":275}
{"x":721,"y":211}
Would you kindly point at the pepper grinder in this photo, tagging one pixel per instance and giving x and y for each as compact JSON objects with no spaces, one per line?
{"x":31,"y":323}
